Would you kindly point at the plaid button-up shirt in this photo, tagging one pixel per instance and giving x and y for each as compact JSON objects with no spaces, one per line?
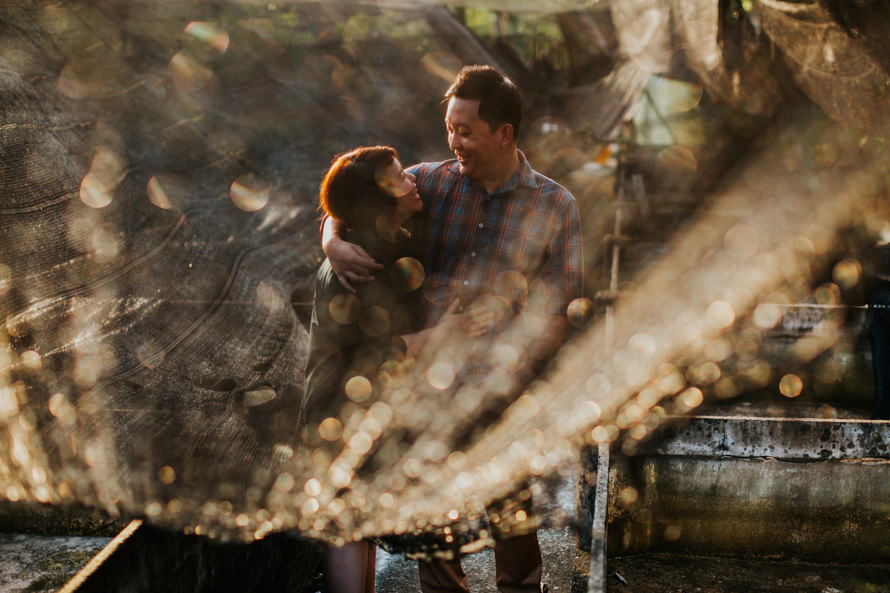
{"x":525,"y":234}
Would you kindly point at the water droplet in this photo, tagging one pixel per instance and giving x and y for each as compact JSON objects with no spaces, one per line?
{"x":790,"y":386}
{"x":358,"y":389}
{"x":150,"y":354}
{"x":309,"y":507}
{"x":344,"y":308}
{"x":167,"y":191}
{"x":827,"y":294}
{"x":258,"y":397}
{"x":330,"y":429}
{"x":643,"y":344}
{"x":209,"y":33}
{"x":269,"y":297}
{"x":361,"y":443}
{"x":720,"y":314}
{"x":689,"y":399}
{"x":407,"y":274}
{"x":30,"y":360}
{"x":847,"y":273}
{"x":676,"y":160}
{"x":94,"y":192}
{"x":166,"y":475}
{"x":284,"y":483}
{"x":513,"y":286}
{"x":600,"y":434}
{"x":374,"y":321}
{"x":628,"y":496}
{"x":249,"y":193}
{"x":742,"y":240}
{"x":187,"y":73}
{"x":440,"y":375}
{"x":767,"y":315}
{"x":580,"y":311}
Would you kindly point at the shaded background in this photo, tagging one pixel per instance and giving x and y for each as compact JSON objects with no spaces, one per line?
{"x":159,"y":164}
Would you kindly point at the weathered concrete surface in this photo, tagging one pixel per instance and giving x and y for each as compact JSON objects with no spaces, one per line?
{"x":780,"y":438}
{"x":819,"y":511}
{"x":808,"y":489}
{"x":47,"y":519}
{"x":671,"y":573}
{"x":37,"y":563}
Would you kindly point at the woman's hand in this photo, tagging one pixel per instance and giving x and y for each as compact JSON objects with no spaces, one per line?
{"x":476,"y":320}
{"x":452,"y":325}
{"x":473,"y":322}
{"x":350,"y":263}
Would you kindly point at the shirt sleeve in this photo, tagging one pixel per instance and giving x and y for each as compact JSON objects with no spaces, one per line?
{"x":564,"y":268}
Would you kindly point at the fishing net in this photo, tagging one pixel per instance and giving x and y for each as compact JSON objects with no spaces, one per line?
{"x":159,"y":166}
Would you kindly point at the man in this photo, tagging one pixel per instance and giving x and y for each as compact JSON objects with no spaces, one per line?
{"x":495,"y":228}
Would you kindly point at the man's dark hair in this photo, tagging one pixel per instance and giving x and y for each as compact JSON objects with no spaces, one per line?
{"x":500,"y":101}
{"x":350,"y":191}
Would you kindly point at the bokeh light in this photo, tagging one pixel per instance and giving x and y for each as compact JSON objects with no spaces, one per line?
{"x":407,"y":274}
{"x":249,"y":193}
{"x":791,"y":386}
{"x":153,"y":350}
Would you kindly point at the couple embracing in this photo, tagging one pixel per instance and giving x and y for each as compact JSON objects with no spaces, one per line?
{"x":486,"y":227}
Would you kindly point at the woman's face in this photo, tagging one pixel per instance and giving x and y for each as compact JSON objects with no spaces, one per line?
{"x":400,"y":185}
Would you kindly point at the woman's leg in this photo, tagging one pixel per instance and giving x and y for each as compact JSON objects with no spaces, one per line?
{"x":370,"y":568}
{"x":351,"y":568}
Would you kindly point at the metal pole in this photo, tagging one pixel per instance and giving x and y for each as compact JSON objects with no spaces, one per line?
{"x":596,"y":581}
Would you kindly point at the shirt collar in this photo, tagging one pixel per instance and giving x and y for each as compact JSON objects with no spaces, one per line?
{"x":524,"y":176}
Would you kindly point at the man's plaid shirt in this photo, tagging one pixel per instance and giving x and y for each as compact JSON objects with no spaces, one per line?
{"x":527,"y":230}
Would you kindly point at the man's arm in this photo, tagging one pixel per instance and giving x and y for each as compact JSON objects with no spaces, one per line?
{"x":563,"y":281}
{"x":350,"y":262}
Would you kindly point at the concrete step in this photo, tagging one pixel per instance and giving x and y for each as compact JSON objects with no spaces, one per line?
{"x":37,"y":563}
{"x":779,"y":489}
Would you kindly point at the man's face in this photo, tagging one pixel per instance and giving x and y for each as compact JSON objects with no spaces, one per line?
{"x":476,"y":146}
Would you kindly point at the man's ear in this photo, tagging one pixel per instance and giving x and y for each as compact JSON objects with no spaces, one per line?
{"x":506,"y":134}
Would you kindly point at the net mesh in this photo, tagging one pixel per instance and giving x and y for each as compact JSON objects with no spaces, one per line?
{"x":159,"y":165}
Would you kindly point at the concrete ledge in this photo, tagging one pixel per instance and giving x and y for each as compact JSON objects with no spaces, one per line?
{"x":781,"y":438}
{"x":809,"y":489}
{"x":833,"y":511}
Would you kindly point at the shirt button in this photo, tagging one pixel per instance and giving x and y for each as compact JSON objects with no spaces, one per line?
{"x":481,"y":225}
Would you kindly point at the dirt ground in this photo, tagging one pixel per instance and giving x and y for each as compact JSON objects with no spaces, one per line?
{"x":666,"y":573}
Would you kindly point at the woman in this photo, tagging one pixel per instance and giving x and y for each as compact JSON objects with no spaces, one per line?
{"x":352,"y":335}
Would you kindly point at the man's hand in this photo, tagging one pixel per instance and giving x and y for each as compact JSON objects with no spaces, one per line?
{"x":350,"y":263}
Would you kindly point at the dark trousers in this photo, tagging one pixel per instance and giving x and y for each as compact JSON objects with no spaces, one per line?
{"x":517,"y":560}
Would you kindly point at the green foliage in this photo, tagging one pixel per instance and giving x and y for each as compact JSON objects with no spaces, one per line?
{"x":534,"y":37}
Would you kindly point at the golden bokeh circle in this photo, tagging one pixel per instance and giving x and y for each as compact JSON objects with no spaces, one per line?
{"x":407,"y":274}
